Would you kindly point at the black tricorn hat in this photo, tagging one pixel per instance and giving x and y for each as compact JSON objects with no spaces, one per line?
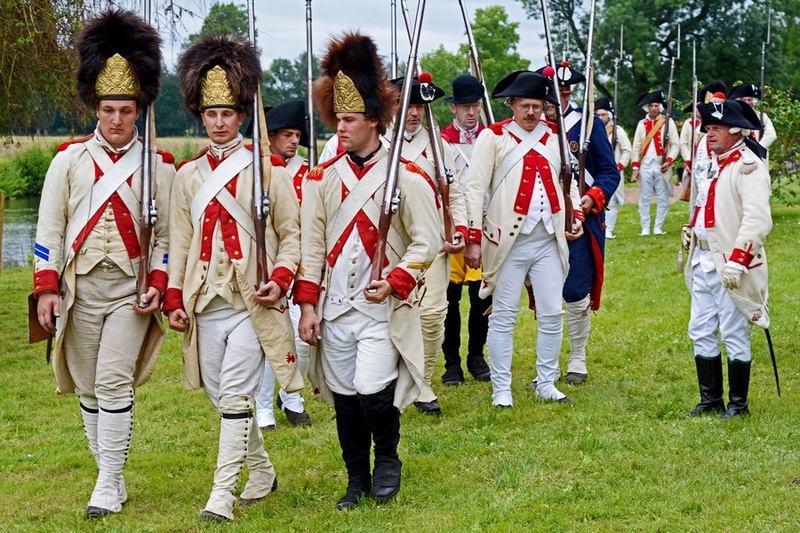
{"x":743,"y":90}
{"x":604,"y":103}
{"x":655,"y":97}
{"x":128,"y":35}
{"x":466,"y":89}
{"x":566,"y":74}
{"x":289,"y":115}
{"x":238,"y":59}
{"x":706,"y":93}
{"x":433,"y":91}
{"x":729,"y":113}
{"x":525,"y":84}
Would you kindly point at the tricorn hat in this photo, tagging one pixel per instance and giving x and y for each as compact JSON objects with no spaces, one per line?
{"x":421,"y":92}
{"x":525,"y":84}
{"x":566,"y":74}
{"x":354,"y":80}
{"x":289,"y":115}
{"x":729,"y":113}
{"x":706,"y":93}
{"x":119,"y":58}
{"x":466,"y":89}
{"x":743,"y":90}
{"x":655,"y":97}
{"x":604,"y":103}
{"x":220,"y":70}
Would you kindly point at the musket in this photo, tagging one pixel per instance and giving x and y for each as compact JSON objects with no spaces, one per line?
{"x":614,"y":118}
{"x":149,"y":213}
{"x":665,"y":131}
{"x":763,"y":58}
{"x":587,"y":117}
{"x":312,"y":134}
{"x":475,"y":66}
{"x":444,"y":176}
{"x":568,"y":163}
{"x":394,"y":60}
{"x":391,"y":195}
{"x":261,"y":170}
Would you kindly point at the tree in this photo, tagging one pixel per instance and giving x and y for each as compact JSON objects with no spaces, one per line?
{"x":496,"y":40}
{"x":37,"y":59}
{"x":285,"y":80}
{"x":224,"y":18}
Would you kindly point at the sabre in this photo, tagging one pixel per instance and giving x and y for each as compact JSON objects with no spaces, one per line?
{"x":312,"y":134}
{"x":487,"y":114}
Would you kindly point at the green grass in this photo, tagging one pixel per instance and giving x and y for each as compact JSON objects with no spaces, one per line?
{"x":622,"y":459}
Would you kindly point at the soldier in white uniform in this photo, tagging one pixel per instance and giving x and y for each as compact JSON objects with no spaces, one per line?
{"x":229,"y":321}
{"x":368,"y":358}
{"x":604,"y":108}
{"x":87,"y":254}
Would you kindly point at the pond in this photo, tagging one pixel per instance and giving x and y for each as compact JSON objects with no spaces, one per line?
{"x":19,"y":230}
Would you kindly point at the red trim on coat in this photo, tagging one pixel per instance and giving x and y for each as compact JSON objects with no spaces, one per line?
{"x":66,"y":144}
{"x":158,"y":279}
{"x":402,"y":282}
{"x":45,"y":281}
{"x":305,"y":292}
{"x":283,"y":277}
{"x":215,"y":212}
{"x":173,"y":299}
{"x":743,"y":257}
{"x":599,"y":197}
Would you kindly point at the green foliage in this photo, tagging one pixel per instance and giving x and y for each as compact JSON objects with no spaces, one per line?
{"x":23,"y":175}
{"x":224,"y":18}
{"x":286,"y":80}
{"x":784,"y":110}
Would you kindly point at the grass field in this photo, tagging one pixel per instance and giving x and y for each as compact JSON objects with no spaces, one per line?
{"x":181,"y":147}
{"x":623,"y":458}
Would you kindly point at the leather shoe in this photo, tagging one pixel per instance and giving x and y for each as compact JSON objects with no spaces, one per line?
{"x":575,"y":378}
{"x":295,"y":418}
{"x":453,"y":376}
{"x":566,"y":400}
{"x":429,"y":408}
{"x":351,"y":497}
{"x":386,"y":478}
{"x":213,"y":517}
{"x":269,"y":427}
{"x":478,"y":368}
{"x":733,"y":412}
{"x":705,"y":408}
{"x":97,"y":512}
{"x":532,"y":385}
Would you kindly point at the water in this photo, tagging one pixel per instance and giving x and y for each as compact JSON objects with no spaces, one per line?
{"x":19,"y":231}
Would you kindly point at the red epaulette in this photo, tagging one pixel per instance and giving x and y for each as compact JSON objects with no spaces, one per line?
{"x":276,"y":160}
{"x":450,"y":134}
{"x":497,"y":127}
{"x":413,"y":167}
{"x":63,"y":146}
{"x":317,"y":172}
{"x":196,"y":156}
{"x":553,"y":126}
{"x":166,"y":157}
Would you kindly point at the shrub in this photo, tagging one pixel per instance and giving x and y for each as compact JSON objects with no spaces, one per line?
{"x":23,"y":174}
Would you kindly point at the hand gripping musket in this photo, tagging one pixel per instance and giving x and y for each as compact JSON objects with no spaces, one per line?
{"x":312,"y":133}
{"x":587,"y":116}
{"x":391,"y":195}
{"x":569,"y":165}
{"x":475,"y":66}
{"x":149,"y":212}
{"x":262,"y":171}
{"x":444,"y":176}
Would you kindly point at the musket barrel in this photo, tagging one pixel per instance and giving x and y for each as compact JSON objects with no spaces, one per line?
{"x":488,"y":117}
{"x":312,"y":132}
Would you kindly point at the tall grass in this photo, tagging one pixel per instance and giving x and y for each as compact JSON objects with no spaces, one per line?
{"x":623,"y":458}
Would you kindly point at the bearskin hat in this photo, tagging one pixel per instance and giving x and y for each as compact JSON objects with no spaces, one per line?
{"x":356,"y":56}
{"x":236,"y":56}
{"x":127,"y":34}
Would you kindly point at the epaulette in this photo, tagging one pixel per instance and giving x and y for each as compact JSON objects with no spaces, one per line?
{"x":66,"y":144}
{"x":276,"y":160}
{"x":317,"y":172}
{"x":497,"y":127}
{"x":552,"y":125}
{"x":196,"y":156}
{"x":166,"y":157}
{"x":748,"y":161}
{"x":413,"y":167}
{"x":450,"y":134}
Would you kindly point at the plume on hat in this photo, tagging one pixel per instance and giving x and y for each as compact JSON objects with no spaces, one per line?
{"x":356,"y":55}
{"x":236,"y":56}
{"x":120,"y":32}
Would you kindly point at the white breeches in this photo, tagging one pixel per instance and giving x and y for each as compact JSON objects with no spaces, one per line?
{"x":432,"y":312}
{"x":651,"y":180}
{"x":614,"y":203}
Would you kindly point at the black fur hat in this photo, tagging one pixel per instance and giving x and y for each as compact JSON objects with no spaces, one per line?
{"x":236,"y":56}
{"x":124,"y":33}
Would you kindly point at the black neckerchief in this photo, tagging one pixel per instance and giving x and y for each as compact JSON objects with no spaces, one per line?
{"x":359,"y":160}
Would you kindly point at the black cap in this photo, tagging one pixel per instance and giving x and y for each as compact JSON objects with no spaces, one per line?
{"x":706,"y":93}
{"x":655,"y":97}
{"x":466,"y":89}
{"x":416,"y":87}
{"x":604,"y":103}
{"x":289,"y":115}
{"x":525,"y":84}
{"x":744,"y":90}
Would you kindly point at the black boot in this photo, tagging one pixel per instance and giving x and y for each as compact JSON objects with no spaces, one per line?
{"x":738,"y":385}
{"x":383,"y":420}
{"x":478,"y":326}
{"x":355,"y":441}
{"x":709,"y":375}
{"x":451,"y":346}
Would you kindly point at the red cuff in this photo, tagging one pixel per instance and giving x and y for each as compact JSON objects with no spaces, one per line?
{"x":158,"y":279}
{"x":463,"y":230}
{"x":283,"y":277}
{"x":173,"y":299}
{"x":620,"y":167}
{"x":402,"y":282}
{"x":579,"y":214}
{"x":670,"y":160}
{"x":687,"y":163}
{"x":45,"y":281}
{"x":474,"y":236}
{"x":742,"y":257}
{"x":635,"y":165}
{"x":599,"y":197}
{"x":305,"y":292}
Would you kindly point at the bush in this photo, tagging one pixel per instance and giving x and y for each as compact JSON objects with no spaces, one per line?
{"x":784,"y":159}
{"x":24,"y":174}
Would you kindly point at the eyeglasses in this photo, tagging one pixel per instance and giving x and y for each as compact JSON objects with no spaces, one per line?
{"x":466,"y":107}
{"x":526,"y":108}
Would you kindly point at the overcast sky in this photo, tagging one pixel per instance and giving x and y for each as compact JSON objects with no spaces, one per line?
{"x":281,"y":25}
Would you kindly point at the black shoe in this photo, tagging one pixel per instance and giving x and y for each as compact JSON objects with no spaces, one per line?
{"x":453,"y":376}
{"x":351,"y":497}
{"x":704,"y":408}
{"x":575,"y":378}
{"x":532,"y":385}
{"x":566,"y":400}
{"x":733,"y":412}
{"x":386,"y":478}
{"x":295,"y":418}
{"x":213,"y":517}
{"x":97,"y":512}
{"x":429,"y":408}
{"x":478,"y":368}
